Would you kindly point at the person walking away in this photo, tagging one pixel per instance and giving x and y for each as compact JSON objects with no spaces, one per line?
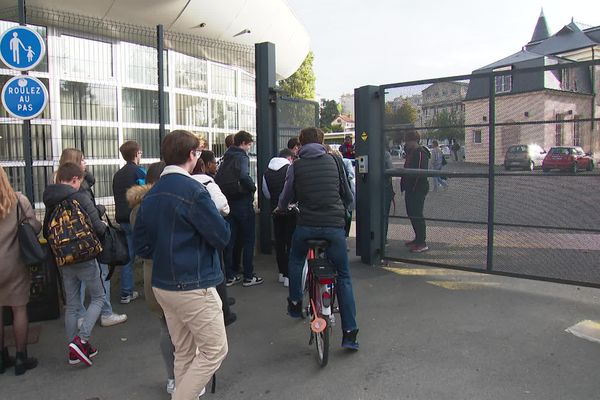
{"x":415,"y":189}
{"x":284,"y":223}
{"x":223,"y":207}
{"x":180,"y":229}
{"x":437,"y":162}
{"x":314,"y":181}
{"x":135,"y":194}
{"x":455,"y":149}
{"x":65,"y":195}
{"x":107,"y":316}
{"x":233,"y":177}
{"x":15,"y":279}
{"x":131,"y":174}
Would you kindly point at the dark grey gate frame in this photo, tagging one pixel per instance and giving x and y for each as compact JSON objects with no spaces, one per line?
{"x":370,"y":106}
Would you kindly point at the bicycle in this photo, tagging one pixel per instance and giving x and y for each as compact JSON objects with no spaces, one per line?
{"x":318,"y":286}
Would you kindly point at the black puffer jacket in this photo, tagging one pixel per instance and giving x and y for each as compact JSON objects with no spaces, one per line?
{"x":56,"y":193}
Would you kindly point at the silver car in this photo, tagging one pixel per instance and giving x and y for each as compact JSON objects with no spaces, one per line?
{"x":524,"y":156}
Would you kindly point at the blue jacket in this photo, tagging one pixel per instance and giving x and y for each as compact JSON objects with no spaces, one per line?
{"x":180,"y":229}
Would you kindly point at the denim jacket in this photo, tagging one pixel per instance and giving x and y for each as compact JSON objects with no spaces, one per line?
{"x":180,"y":229}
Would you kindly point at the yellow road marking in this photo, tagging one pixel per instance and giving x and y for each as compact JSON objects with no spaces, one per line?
{"x":425,"y":271}
{"x":589,"y":330}
{"x":458,"y":285}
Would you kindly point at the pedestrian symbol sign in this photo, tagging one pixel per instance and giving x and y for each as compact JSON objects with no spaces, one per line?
{"x":24,"y":97}
{"x":21,"y":48}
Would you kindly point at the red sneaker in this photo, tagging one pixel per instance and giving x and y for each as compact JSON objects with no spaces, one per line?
{"x":419,"y":248}
{"x":80,"y":351}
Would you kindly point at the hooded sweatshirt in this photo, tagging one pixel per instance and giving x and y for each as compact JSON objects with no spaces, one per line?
{"x":56,"y":193}
{"x":274,"y":179}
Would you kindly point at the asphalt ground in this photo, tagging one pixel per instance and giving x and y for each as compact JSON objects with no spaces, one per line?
{"x":425,"y":333}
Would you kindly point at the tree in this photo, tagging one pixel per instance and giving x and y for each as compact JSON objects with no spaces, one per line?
{"x":448,"y":125}
{"x":302,"y":83}
{"x":329,"y":110}
{"x":398,"y":120}
{"x":337,"y":128}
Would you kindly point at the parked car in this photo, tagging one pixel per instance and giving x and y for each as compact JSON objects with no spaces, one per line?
{"x":524,"y":156}
{"x":397,"y":152}
{"x":568,"y":158}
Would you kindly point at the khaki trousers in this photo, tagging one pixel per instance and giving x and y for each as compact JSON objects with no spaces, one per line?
{"x":195,"y":321}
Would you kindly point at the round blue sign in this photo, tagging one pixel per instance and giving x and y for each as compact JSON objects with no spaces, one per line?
{"x":21,"y":48}
{"x":24,"y":97}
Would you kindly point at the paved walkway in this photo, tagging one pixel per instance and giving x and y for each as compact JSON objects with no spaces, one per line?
{"x":425,"y":334}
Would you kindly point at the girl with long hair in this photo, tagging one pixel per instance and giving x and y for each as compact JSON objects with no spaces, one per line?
{"x":15,"y":279}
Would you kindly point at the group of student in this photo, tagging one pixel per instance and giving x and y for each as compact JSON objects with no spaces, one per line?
{"x":193,"y":224}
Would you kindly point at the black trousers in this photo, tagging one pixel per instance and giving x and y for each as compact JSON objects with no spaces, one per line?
{"x":415,"y":202}
{"x":283,"y":228}
{"x":222,"y":290}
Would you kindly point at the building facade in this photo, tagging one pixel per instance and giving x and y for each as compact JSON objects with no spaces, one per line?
{"x":542,"y":95}
{"x":101,"y":78}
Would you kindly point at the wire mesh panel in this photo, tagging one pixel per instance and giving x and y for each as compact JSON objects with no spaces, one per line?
{"x":292,"y":116}
{"x":534,"y":213}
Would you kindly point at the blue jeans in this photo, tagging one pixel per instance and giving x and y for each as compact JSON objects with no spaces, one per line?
{"x":127,"y":270}
{"x":72,"y":276}
{"x":337,"y":254}
{"x":106,"y":306}
{"x":243,"y":219}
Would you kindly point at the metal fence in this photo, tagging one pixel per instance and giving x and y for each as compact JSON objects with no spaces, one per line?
{"x":503,"y":211}
{"x":293,"y":115}
{"x":102,"y":79}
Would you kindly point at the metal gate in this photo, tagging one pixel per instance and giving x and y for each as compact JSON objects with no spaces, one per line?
{"x":506,"y":209}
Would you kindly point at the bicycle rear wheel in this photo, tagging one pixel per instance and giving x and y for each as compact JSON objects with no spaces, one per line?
{"x":322,"y":343}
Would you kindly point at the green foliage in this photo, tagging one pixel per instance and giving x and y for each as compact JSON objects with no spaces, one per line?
{"x":337,"y":128}
{"x":329,"y":110}
{"x":302,"y":83}
{"x":406,"y":114}
{"x":447,"y":125}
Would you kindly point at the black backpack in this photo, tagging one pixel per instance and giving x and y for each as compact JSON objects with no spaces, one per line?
{"x":228,"y":178}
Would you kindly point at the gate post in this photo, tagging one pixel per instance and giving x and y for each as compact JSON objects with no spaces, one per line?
{"x":265,"y":132}
{"x":369,"y":142}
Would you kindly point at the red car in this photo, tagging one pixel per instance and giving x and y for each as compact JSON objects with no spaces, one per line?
{"x":567,"y":158}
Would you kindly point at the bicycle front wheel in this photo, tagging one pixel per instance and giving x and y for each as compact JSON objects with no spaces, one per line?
{"x":322,"y":343}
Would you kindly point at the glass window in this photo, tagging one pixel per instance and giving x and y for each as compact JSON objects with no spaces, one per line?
{"x":140,"y":64}
{"x":477,"y":136}
{"x":576,"y":131}
{"x":503,"y":83}
{"x":223,"y":80}
{"x":191,"y":110}
{"x":147,"y":138}
{"x":95,"y":142}
{"x":247,"y":87}
{"x":44,"y":114}
{"x":42,"y":177}
{"x":218,"y":144}
{"x":142,"y":106}
{"x":247,"y":118}
{"x":11,"y":142}
{"x":87,"y":101}
{"x":43,"y":65}
{"x":224,"y":114}
{"x":104,"y":175}
{"x":83,"y":57}
{"x":190,"y":72}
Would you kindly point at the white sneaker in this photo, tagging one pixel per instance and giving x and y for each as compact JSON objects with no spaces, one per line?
{"x":112,"y":319}
{"x":170,"y":386}
{"x":286,"y":282}
{"x":128,"y":299}
{"x":280,"y":279}
{"x":202,"y":392}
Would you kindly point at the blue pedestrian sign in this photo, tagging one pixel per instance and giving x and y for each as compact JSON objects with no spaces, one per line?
{"x":22,"y":48}
{"x":24,"y":97}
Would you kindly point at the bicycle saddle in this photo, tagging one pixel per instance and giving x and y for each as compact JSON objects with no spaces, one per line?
{"x":322,"y":243}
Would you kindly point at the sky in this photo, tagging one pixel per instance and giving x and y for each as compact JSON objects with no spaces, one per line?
{"x":360,"y":42}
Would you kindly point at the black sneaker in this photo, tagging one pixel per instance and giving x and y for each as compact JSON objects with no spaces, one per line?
{"x":349,"y":340}
{"x":255,"y":280}
{"x":233,"y":281}
{"x":294,"y":310}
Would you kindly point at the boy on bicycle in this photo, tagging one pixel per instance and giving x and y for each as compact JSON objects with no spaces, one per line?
{"x":314,"y":181}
